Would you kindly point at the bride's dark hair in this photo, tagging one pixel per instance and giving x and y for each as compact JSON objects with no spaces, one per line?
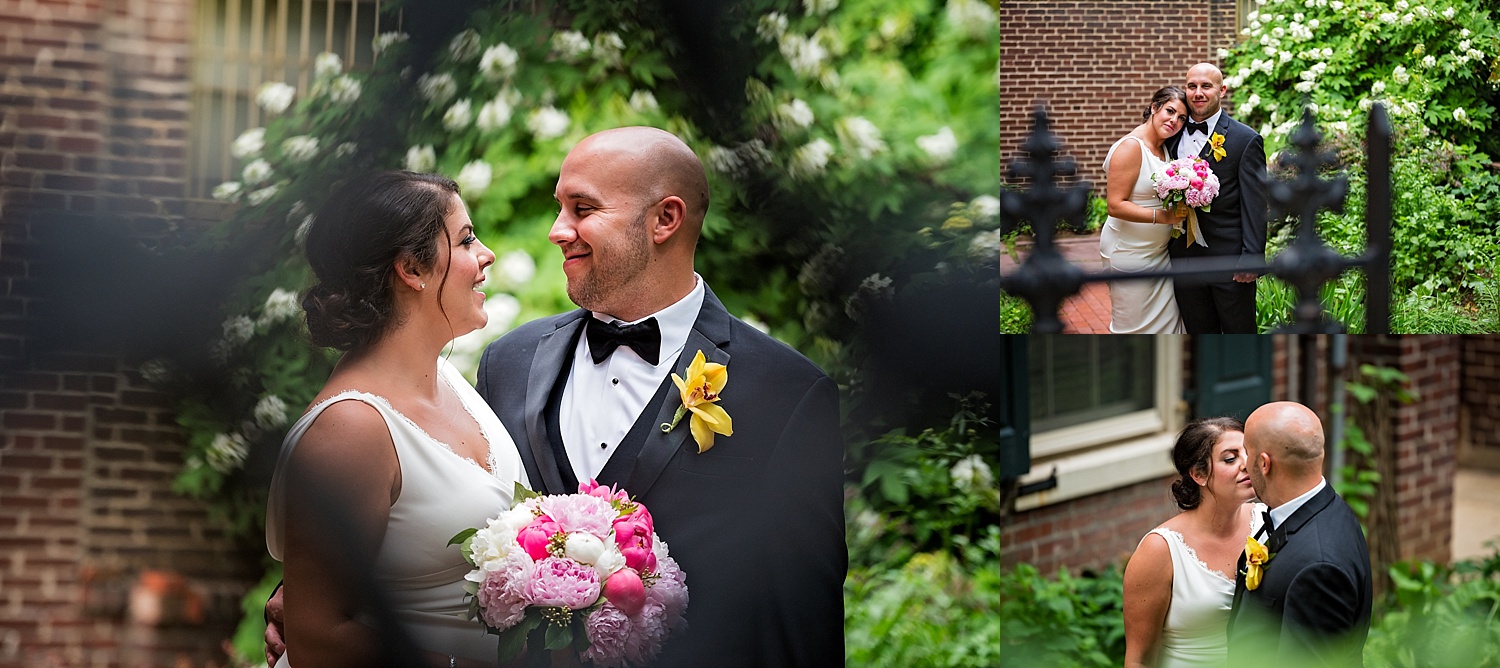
{"x":1162,"y":96}
{"x":1195,"y":446}
{"x":356,"y":238}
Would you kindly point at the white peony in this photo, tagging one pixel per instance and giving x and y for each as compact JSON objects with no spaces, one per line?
{"x":643,"y":102}
{"x":270,"y":412}
{"x":464,"y":46}
{"x":300,"y":148}
{"x":249,"y":144}
{"x":421,"y":158}
{"x":610,"y":561}
{"x":474,"y":177}
{"x":275,"y":97}
{"x":345,"y":89}
{"x":386,"y":40}
{"x":583,"y":547}
{"x":860,"y":137}
{"x":228,"y":191}
{"x":257,"y":172}
{"x":437,"y":88}
{"x":494,"y":114}
{"x":940,"y":146}
{"x":498,"y":62}
{"x":459,"y":115}
{"x":227,"y":452}
{"x":810,"y":159}
{"x":547,"y":123}
{"x":513,"y":269}
{"x":570,"y":45}
{"x":327,"y":65}
{"x":972,"y":475}
{"x":793,"y":116}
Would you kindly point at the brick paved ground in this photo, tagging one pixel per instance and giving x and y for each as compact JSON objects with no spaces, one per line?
{"x":1087,"y":312}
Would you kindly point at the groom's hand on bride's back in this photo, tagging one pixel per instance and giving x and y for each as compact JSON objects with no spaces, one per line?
{"x":275,"y":625}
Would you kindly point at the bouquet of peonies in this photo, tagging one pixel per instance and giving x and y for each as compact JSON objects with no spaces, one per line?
{"x":588,"y":566}
{"x":1187,"y":181}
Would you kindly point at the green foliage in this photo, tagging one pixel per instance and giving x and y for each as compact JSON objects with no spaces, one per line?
{"x":1356,"y":481}
{"x":937,"y":609}
{"x":1069,"y":621}
{"x":1439,"y":616}
{"x":1015,"y":315}
{"x":248,"y":643}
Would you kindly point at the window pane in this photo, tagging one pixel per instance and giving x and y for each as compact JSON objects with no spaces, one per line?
{"x":1077,"y":379}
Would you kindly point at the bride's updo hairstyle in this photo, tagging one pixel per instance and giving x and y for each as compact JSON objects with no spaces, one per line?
{"x":1194,"y":448}
{"x":1163,"y":95}
{"x":356,"y":238}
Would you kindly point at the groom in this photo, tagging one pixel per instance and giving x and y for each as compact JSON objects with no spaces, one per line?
{"x":1311,"y":606}
{"x":756,"y":522}
{"x":1235,"y":226}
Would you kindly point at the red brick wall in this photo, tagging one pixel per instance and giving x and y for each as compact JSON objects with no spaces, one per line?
{"x":1088,"y":532}
{"x":1479,"y":432}
{"x":1096,"y":65}
{"x":93,"y":121}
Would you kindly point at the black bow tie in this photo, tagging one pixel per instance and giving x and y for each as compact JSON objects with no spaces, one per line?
{"x":643,"y":337}
{"x":1193,"y":126}
{"x":1267,"y":516}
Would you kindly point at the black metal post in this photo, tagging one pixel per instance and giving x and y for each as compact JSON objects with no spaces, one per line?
{"x":1308,"y":263}
{"x":1378,"y":223}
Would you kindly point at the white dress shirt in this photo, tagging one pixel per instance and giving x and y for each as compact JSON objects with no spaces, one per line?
{"x":601,"y":402}
{"x":1192,"y":142}
{"x":1283,"y":512}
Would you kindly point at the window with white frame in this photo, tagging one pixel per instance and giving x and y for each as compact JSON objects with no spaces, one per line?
{"x":240,"y":44}
{"x":1104,"y":412}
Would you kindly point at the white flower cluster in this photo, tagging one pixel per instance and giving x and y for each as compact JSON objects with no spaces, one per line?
{"x":421,"y":158}
{"x":228,"y":191}
{"x":985,"y":208}
{"x":494,"y":114}
{"x":810,"y":159}
{"x":609,"y":48}
{"x":275,"y":97}
{"x":975,"y":18}
{"x":771,"y":26}
{"x":327,"y":66}
{"x":249,"y":144}
{"x":643,"y":102}
{"x":257,"y":172}
{"x":344,"y":90}
{"x":792,"y":117}
{"x":270,"y":412}
{"x":723,"y":160}
{"x":570,"y":45}
{"x":805,"y":54}
{"x":474,"y":178}
{"x":512,"y":270}
{"x":300,"y":148}
{"x":387,"y":40}
{"x":464,"y":46}
{"x":281,"y":305}
{"x":501,"y":309}
{"x":819,"y":7}
{"x":985,"y":245}
{"x":259,"y":197}
{"x":972,"y":475}
{"x":859,"y":137}
{"x":940,"y":146}
{"x":227,"y":452}
{"x":437,"y":88}
{"x":547,"y":123}
{"x":499,"y":62}
{"x":237,"y":330}
{"x":1400,"y":75}
{"x":459,"y":116}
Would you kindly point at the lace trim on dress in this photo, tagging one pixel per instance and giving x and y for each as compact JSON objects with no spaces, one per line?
{"x":1193,"y":554}
{"x":489,"y":445}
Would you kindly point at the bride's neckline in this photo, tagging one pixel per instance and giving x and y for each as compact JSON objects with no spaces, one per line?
{"x":1147,"y":148}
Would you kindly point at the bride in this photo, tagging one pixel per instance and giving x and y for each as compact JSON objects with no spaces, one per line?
{"x":397,"y":437}
{"x":1135,"y":235}
{"x":1180,"y":582}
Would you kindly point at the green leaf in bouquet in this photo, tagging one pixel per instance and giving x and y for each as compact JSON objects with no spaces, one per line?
{"x":558,"y":636}
{"x":513,"y":639}
{"x":522,"y":494}
{"x":462,"y":536}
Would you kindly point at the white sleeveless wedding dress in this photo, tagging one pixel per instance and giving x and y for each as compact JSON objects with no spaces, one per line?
{"x":441,"y":494}
{"x":1195,"y":633}
{"x":1142,"y":306}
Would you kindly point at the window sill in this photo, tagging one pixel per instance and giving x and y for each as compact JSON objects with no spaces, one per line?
{"x":1100,"y":470}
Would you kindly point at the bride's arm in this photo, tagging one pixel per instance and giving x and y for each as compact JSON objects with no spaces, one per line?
{"x":1124,"y":170}
{"x":1148,"y":594}
{"x":344,"y":476}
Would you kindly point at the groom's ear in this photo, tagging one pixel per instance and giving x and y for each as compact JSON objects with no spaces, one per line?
{"x":669,"y":219}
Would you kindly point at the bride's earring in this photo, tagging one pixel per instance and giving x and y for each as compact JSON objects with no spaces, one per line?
{"x":422,"y":286}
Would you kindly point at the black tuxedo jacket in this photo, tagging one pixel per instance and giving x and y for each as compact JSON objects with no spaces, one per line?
{"x":756,"y":523}
{"x":1312,"y":607}
{"x":1236,"y":222}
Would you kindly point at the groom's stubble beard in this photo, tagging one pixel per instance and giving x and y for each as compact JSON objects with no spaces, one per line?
{"x":620,"y":264}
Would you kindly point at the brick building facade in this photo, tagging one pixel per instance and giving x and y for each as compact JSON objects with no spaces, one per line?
{"x":1095,"y":64}
{"x":1452,"y":376}
{"x":94,"y":124}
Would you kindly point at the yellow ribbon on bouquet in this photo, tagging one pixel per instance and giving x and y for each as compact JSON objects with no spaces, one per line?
{"x":1190,"y":226}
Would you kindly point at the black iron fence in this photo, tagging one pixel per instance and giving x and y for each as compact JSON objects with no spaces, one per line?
{"x":1045,"y":279}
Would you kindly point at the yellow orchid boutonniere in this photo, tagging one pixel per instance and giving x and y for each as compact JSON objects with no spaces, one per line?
{"x":700,"y":392}
{"x":1216,"y":141}
{"x":1256,"y":558}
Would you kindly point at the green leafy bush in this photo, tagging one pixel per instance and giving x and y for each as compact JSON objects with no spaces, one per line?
{"x":1439,"y":616}
{"x":1066,"y":621}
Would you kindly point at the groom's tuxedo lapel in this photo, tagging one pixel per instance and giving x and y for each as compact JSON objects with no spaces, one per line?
{"x":553,"y":351}
{"x":710,"y":332}
{"x":1300,"y":518}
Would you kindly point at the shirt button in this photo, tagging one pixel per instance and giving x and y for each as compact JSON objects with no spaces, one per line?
{"x":603,"y":446}
{"x":614,"y":381}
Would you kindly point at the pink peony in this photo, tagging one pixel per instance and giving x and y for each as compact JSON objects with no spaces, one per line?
{"x":535,"y":537}
{"x":608,"y":630}
{"x":1195,"y":183}
{"x":633,"y":535}
{"x":593,"y":488}
{"x":670,"y":591}
{"x":650,"y":631}
{"x":502,"y":594}
{"x":625,"y":590}
{"x":580,"y":512}
{"x":563,"y":583}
